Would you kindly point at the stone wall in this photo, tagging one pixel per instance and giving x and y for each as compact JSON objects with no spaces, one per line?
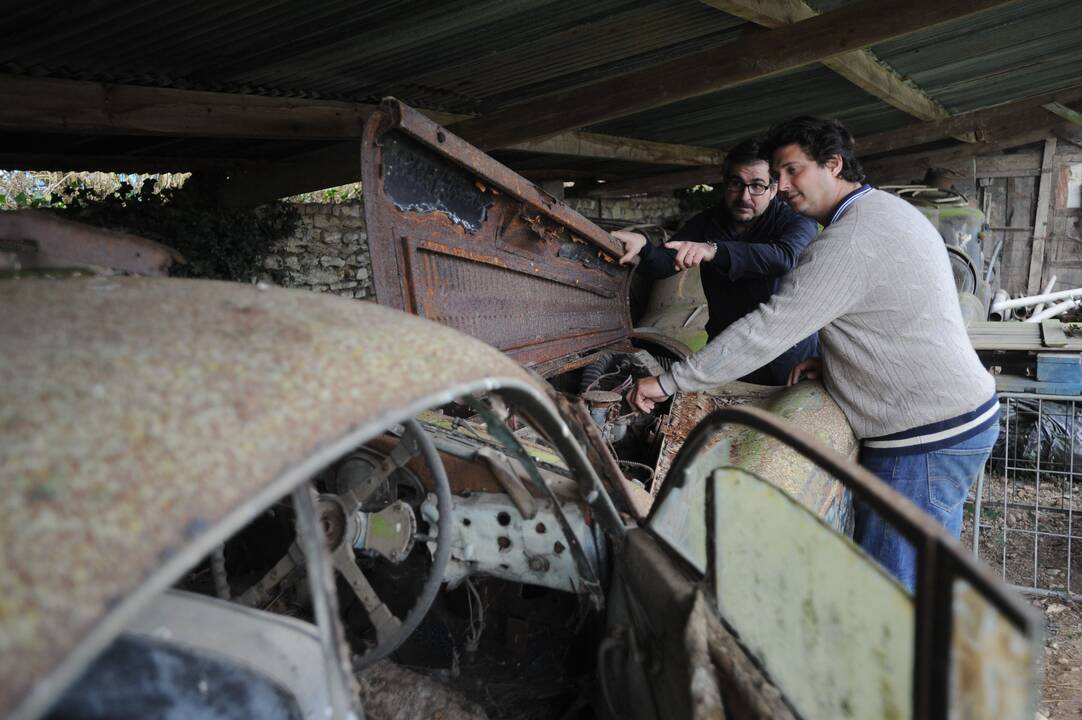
{"x":651,"y":209}
{"x":329,"y":251}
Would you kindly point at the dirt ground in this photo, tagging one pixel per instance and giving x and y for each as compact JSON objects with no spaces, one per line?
{"x":1034,"y":539}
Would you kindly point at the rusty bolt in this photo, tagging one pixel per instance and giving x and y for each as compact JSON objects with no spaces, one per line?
{"x":503,"y":542}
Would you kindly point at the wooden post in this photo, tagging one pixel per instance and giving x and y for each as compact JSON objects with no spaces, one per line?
{"x":1040,"y":224}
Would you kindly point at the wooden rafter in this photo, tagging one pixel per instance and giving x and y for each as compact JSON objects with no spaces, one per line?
{"x":72,"y":106}
{"x":860,"y":67}
{"x":988,"y":125}
{"x":1006,"y":126}
{"x":657,"y":182}
{"x":973,"y":159}
{"x":849,"y":28}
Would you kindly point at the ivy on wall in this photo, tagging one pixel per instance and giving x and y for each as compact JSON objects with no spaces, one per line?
{"x":218,"y":243}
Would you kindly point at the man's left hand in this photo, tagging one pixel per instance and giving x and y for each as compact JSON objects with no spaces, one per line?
{"x":689,"y":254}
{"x":645,"y":394}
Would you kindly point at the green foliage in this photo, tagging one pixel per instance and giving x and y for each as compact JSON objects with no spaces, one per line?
{"x":218,"y":243}
{"x":42,"y":189}
{"x":333,"y":195}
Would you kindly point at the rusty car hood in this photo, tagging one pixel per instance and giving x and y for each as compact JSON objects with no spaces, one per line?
{"x":458,"y":238}
{"x":145,"y":420}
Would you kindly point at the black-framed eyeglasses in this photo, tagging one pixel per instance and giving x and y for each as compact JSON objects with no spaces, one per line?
{"x":756,"y":188}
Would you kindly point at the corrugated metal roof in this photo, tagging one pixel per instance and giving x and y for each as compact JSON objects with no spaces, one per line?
{"x":453,"y":55}
{"x":1026,"y":48}
{"x":1011,"y":52}
{"x":723,"y":119}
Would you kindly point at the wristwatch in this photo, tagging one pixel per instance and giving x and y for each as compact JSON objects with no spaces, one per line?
{"x":714,"y":245}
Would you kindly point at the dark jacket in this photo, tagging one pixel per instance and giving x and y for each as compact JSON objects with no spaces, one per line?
{"x":745,"y":272}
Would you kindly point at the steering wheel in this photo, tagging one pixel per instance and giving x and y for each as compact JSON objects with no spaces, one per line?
{"x":390,"y":532}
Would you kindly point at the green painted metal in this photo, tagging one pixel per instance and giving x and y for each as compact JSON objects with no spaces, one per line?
{"x":834,"y":632}
{"x":810,"y":408}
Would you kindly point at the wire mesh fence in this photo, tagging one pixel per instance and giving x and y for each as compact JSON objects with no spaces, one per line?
{"x":1027,"y":502}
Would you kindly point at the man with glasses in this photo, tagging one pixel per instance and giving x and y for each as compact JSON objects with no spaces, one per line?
{"x":877,"y":285}
{"x":742,"y":247}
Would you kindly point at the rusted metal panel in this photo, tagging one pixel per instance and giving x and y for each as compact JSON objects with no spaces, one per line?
{"x":993,"y":662}
{"x":141,"y":414}
{"x":458,"y":238}
{"x":39,"y":239}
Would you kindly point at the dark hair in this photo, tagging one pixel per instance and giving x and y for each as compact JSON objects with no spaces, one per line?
{"x":745,"y":152}
{"x":820,"y":139}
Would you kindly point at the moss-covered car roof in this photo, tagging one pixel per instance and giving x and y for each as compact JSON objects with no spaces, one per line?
{"x":145,"y":420}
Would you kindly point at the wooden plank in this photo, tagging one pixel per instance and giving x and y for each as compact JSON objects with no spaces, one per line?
{"x":335,"y":165}
{"x":1058,"y":108}
{"x":1040,"y":224}
{"x":1052,"y":334}
{"x":756,"y":55}
{"x":75,"y":106}
{"x":657,"y":182}
{"x":1020,"y":206}
{"x":611,"y":147}
{"x":1014,"y":336}
{"x":902,"y":169}
{"x":988,"y":125}
{"x":126,"y":163}
{"x":960,"y":158}
{"x":860,"y":67}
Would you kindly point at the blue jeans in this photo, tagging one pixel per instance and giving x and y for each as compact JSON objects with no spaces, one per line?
{"x":937,"y":482}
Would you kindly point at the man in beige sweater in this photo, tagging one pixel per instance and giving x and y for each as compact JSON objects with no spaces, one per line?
{"x":877,"y":285}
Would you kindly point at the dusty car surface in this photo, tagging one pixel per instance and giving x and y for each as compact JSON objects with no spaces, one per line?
{"x":153,"y":430}
{"x":233,"y":501}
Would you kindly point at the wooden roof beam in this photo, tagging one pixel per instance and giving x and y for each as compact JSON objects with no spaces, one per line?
{"x":32,"y":104}
{"x":966,"y":160}
{"x":656,"y":182}
{"x":751,"y":57}
{"x":860,"y":67}
{"x":74,"y":106}
{"x":1005,"y":126}
{"x":988,"y":125}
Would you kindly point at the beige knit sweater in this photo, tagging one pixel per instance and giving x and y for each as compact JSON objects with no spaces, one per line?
{"x":877,"y":284}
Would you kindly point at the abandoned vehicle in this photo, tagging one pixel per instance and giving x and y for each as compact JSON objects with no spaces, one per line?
{"x":234,"y":501}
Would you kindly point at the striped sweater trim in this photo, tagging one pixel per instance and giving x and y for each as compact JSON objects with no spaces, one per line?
{"x":937,"y":435}
{"x":849,"y":200}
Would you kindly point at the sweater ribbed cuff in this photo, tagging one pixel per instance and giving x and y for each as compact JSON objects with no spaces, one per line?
{"x":668,"y":385}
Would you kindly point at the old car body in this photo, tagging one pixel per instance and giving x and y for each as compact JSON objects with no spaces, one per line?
{"x":149,"y":421}
{"x":174,"y":452}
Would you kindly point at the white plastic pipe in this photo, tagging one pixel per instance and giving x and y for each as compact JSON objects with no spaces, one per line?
{"x":1054,"y":310}
{"x":1000,"y":296}
{"x":1047,"y":290}
{"x":1037,"y":299}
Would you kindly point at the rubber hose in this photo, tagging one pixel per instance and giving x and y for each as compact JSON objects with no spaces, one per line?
{"x":594,"y":371}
